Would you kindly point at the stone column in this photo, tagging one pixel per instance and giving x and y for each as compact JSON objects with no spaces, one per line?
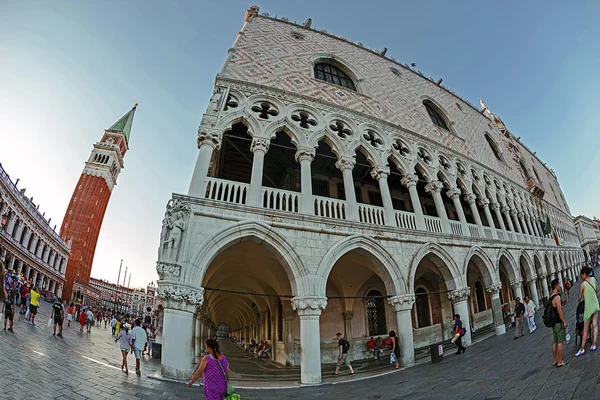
{"x":259,"y":147}
{"x":309,"y":309}
{"x":435,"y":189}
{"x":494,"y":291}
{"x":305,"y":156}
{"x":471,"y":199}
{"x":506,"y":212}
{"x":545,"y":291}
{"x":516,"y":285}
{"x":348,"y":315}
{"x":485,"y":203}
{"x":495,"y":207}
{"x":33,"y":243}
{"x":59,"y":290}
{"x":461,"y":307}
{"x":410,"y":181}
{"x":11,"y":224}
{"x":380,"y":174}
{"x":198,"y":337}
{"x":533,"y":291}
{"x":454,"y":194}
{"x":346,"y":164}
{"x":402,"y":306}
{"x":526,"y":224}
{"x":208,"y":142}
{"x":288,"y":336}
{"x":26,"y":238}
{"x":513,"y":214}
{"x":560,"y":278}
{"x":180,"y":303}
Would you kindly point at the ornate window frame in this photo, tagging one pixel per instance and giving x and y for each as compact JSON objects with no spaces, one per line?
{"x":339,"y":63}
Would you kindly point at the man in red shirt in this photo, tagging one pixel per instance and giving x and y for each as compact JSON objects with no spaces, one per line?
{"x":24,"y":293}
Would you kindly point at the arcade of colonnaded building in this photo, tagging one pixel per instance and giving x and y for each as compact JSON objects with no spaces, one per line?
{"x":338,"y":189}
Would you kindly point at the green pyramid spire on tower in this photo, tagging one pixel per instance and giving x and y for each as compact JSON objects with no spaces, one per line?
{"x":123,"y":125}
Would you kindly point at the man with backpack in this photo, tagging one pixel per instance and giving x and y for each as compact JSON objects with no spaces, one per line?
{"x":555,"y":319}
{"x":519,"y":318}
{"x":343,"y":346}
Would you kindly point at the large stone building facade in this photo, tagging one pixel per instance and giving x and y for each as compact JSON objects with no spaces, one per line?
{"x":28,"y":244}
{"x":588,"y":231}
{"x":338,"y":189}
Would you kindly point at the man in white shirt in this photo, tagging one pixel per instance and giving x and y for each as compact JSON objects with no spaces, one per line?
{"x":113,"y":325}
{"x":138,"y":339}
{"x":530,"y":309}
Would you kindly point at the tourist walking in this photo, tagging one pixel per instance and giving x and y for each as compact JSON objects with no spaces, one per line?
{"x":8,"y":309}
{"x":395,"y":353}
{"x":459,"y":332}
{"x":138,"y":342}
{"x":113,"y":325}
{"x":559,"y":325}
{"x":343,"y":346}
{"x":58,"y":314}
{"x":124,"y":339}
{"x":24,"y":294}
{"x":214,"y":369}
{"x":2,"y":288}
{"x":82,"y":319}
{"x":89,"y":320}
{"x":33,"y":304}
{"x":589,"y":293}
{"x":70,"y":312}
{"x":530,"y":309}
{"x":519,"y":316}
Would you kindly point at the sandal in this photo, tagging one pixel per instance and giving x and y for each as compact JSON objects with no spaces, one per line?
{"x":555,"y":364}
{"x":563,"y":364}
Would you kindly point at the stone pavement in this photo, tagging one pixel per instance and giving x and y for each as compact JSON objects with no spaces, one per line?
{"x":82,"y":366}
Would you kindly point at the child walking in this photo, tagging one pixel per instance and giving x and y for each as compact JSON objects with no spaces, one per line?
{"x":124,"y":339}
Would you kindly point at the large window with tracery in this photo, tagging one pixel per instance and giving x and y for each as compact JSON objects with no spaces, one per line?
{"x":330,"y":73}
{"x":435,"y":115}
{"x":375,"y":306}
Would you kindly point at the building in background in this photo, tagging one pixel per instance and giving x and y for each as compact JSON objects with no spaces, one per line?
{"x":339,"y":189}
{"x":588,"y":232}
{"x":85,"y":213}
{"x":113,"y":296}
{"x":28,"y":244}
{"x":86,"y":294}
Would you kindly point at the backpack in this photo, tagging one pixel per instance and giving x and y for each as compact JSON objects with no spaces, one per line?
{"x":345,"y":346}
{"x":549,"y":316}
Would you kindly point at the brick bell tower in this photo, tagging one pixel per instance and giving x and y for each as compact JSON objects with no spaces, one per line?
{"x":83,"y":218}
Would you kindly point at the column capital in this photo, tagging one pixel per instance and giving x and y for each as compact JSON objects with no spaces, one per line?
{"x":260,"y":144}
{"x":210,"y":138}
{"x":410,"y":180}
{"x":516,"y":282}
{"x":485,"y":202}
{"x":348,"y":315}
{"x":495,"y":207}
{"x":505,"y":210}
{"x":180,"y":297}
{"x":309,"y":305}
{"x":345,"y":162}
{"x":471,"y":198}
{"x":458,"y":295}
{"x":533,"y":278}
{"x":380,"y":171}
{"x":513,"y":212}
{"x":454,"y":193}
{"x":402,"y":302}
{"x":520,"y":214}
{"x":494,"y":288}
{"x":305,"y":154}
{"x":434,"y":187}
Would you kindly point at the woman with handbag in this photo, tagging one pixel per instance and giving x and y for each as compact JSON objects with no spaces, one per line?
{"x":395,"y":353}
{"x":589,"y":293}
{"x":214,"y":369}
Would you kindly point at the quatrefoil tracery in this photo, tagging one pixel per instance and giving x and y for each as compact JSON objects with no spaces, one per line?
{"x":424,"y":156}
{"x":232,"y":102}
{"x":401,"y":147}
{"x":444,"y":163}
{"x":265,"y":110}
{"x":304,"y":119}
{"x":372,"y":138}
{"x":340,"y":129}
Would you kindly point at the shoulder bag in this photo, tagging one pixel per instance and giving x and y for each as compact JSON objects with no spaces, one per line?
{"x":230,"y":394}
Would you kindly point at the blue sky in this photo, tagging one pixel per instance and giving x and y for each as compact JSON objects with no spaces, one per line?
{"x":69,"y":69}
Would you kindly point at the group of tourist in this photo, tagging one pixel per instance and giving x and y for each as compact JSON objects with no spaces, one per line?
{"x":19,"y":293}
{"x":260,"y":349}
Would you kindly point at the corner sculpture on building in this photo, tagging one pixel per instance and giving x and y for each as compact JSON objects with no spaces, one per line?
{"x":363,"y":195}
{"x":85,"y":213}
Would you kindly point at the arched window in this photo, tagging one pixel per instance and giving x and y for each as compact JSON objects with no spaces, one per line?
{"x":423,"y":308}
{"x":330,"y":73}
{"x":435,"y":115}
{"x":524,"y":170}
{"x":493,"y":146}
{"x":375,"y":313}
{"x":480,"y":297}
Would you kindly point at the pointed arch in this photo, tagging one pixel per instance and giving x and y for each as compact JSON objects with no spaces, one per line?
{"x":512,"y":271}
{"x":484,"y":263}
{"x":255,"y":231}
{"x":239,"y":117}
{"x":528,"y":265}
{"x":383,"y":263}
{"x":538,"y":259}
{"x":449,"y":269}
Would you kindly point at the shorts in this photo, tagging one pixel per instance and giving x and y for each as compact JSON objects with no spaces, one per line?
{"x":8,"y":316}
{"x":23,"y":301}
{"x":125,"y":350}
{"x":137,"y":353}
{"x":33,"y":309}
{"x":69,"y":317}
{"x":344,"y":360}
{"x":559,"y":333}
{"x":58,"y":320}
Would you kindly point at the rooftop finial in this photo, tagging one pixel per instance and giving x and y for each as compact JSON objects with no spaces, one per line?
{"x":135,"y":105}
